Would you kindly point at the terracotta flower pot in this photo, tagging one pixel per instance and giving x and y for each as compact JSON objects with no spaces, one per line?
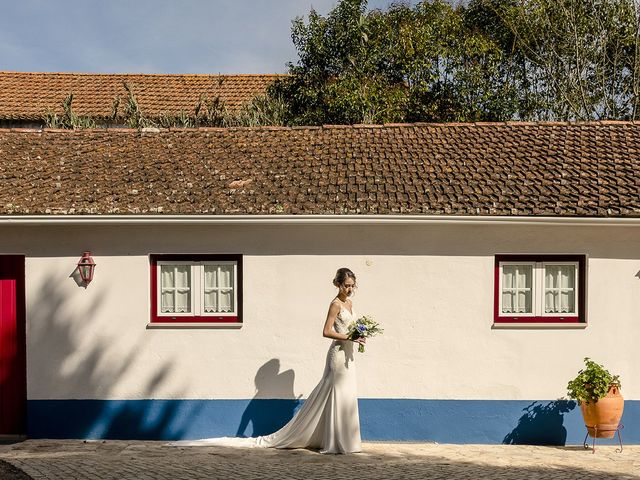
{"x":603,"y":417}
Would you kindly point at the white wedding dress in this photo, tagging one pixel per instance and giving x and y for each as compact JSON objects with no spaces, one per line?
{"x":328,"y":420}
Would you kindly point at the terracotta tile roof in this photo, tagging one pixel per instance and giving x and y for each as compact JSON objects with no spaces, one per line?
{"x":27,"y":96}
{"x":590,"y":169}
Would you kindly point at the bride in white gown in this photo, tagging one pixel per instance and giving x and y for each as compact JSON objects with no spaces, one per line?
{"x":328,"y":419}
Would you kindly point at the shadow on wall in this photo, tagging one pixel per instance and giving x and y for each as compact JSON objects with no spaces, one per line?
{"x":65,"y":357}
{"x":541,"y":424}
{"x":268,"y":415}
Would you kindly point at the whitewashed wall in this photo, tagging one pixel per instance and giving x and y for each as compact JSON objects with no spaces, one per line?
{"x":431,"y":287}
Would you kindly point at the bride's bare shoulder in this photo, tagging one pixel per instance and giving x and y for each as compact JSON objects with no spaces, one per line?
{"x":335,"y":304}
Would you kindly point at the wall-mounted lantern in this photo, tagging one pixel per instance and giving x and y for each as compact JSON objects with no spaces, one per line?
{"x":86,"y":266}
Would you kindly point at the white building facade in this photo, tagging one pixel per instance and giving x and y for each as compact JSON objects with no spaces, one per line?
{"x":200,"y":325}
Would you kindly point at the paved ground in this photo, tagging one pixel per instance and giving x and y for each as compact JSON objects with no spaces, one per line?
{"x":98,"y":460}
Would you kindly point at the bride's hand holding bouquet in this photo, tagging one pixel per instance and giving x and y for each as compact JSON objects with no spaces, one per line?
{"x":363,"y":328}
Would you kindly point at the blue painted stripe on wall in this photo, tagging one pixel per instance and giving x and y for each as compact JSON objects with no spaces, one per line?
{"x":443,"y":421}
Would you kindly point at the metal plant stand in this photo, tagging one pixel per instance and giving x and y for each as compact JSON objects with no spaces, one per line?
{"x":595,"y":435}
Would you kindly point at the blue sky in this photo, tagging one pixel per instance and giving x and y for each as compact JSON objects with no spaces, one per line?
{"x":152,"y":36}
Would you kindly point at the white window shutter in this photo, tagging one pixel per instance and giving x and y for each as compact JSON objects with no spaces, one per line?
{"x":559,"y":288}
{"x":210,"y":293}
{"x":517,"y":281}
{"x":175,"y":288}
{"x":219,"y":288}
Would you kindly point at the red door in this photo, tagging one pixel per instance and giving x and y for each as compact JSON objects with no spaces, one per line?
{"x":13,"y":378}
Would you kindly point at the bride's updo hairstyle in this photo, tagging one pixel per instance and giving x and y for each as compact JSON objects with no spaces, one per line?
{"x":341,"y":276}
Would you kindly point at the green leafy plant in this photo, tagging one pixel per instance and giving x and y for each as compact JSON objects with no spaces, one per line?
{"x":262,"y":110}
{"x":133,"y":116}
{"x":592,"y":383}
{"x":68,"y":119}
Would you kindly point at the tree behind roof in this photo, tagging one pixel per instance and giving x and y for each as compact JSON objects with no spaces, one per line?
{"x":489,"y":60}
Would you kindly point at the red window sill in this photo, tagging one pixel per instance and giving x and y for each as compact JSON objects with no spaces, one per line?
{"x":201,"y":319}
{"x":503,"y":319}
{"x":199,"y":325}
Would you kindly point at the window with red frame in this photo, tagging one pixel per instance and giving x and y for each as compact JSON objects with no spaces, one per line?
{"x":196,"y":288}
{"x":539,"y":289}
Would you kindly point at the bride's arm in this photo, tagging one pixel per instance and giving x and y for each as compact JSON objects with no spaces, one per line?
{"x":328,"y":330}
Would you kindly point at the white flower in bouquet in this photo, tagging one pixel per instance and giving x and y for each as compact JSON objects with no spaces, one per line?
{"x":363,"y":327}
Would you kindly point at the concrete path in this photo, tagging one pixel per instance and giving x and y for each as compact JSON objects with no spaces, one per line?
{"x":101,"y":460}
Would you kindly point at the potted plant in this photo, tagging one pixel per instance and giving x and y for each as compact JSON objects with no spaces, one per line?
{"x":598,"y":393}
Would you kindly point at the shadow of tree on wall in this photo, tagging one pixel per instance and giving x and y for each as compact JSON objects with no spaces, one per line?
{"x":267,"y":415}
{"x":541,"y":424}
{"x":58,"y":341}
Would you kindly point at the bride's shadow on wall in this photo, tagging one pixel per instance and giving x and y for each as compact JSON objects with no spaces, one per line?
{"x":274,"y":403}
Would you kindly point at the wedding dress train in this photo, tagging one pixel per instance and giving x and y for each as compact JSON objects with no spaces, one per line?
{"x":328,"y":420}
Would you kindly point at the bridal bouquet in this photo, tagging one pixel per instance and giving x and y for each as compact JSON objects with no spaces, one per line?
{"x":363,"y":327}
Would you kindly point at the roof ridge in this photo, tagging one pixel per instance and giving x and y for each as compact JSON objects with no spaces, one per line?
{"x":113,"y":74}
{"x":332,"y":127}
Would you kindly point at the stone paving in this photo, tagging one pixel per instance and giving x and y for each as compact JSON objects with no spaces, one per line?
{"x":100,"y":460}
